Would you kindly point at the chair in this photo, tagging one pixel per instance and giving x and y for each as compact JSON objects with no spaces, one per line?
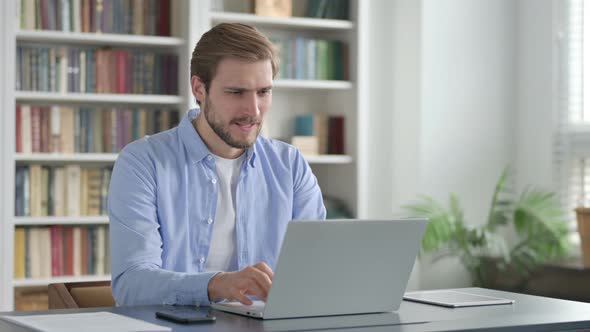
{"x":75,"y":295}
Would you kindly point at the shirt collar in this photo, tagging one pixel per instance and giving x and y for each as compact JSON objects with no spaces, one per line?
{"x":197,"y":150}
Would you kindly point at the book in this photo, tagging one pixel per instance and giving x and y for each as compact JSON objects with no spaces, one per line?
{"x":83,"y":192}
{"x":274,"y":8}
{"x":68,"y":254}
{"x":35,"y":190}
{"x":59,"y":191}
{"x":45,"y":252}
{"x":34,"y":252}
{"x":94,"y":185}
{"x":67,"y":129}
{"x":25,"y":130}
{"x":307,"y":145}
{"x":18,"y":128}
{"x":19,"y":182}
{"x":336,"y":135}
{"x":55,"y":141}
{"x":44,"y":192}
{"x":77,"y":251}
{"x":73,"y":190}
{"x":36,"y":128}
{"x":56,"y":251}
{"x":19,"y":253}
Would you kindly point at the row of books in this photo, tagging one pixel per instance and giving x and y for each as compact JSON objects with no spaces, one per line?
{"x":312,"y":59}
{"x":66,"y":129}
{"x":319,"y":133}
{"x":44,"y":252}
{"x":138,"y":17}
{"x":42,"y":191}
{"x":332,"y":9}
{"x":95,"y":70}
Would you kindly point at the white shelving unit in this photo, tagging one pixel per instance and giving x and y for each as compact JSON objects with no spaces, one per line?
{"x":312,"y":84}
{"x":96,"y":98}
{"x":55,"y":158}
{"x":47,"y":281}
{"x":72,"y":38}
{"x":329,"y":159}
{"x":41,"y":221}
{"x":67,"y":158}
{"x":339,"y":175}
{"x":303,"y":23}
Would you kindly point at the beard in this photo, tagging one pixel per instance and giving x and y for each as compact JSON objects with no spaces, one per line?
{"x":222,"y":130}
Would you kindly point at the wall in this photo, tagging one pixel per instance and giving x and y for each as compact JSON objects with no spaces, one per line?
{"x":468,"y":106}
{"x":535,"y":124}
{"x":393,"y":107}
{"x":443,"y":92}
{"x":442,"y":88}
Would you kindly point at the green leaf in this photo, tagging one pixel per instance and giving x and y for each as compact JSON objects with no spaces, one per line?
{"x":441,"y":223}
{"x":502,"y":202}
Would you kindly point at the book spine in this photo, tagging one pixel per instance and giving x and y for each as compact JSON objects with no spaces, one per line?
{"x":18,"y":120}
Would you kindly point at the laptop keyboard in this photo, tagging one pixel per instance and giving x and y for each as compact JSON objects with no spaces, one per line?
{"x":257,"y":305}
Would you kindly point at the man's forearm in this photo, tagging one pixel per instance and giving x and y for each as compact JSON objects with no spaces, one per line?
{"x":150,"y":285}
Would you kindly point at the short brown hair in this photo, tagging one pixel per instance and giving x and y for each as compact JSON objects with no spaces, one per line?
{"x":235,"y":40}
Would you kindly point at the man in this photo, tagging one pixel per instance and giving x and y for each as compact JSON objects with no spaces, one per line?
{"x":198,"y":213}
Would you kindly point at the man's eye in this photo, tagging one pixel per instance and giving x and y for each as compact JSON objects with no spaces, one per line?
{"x":236,"y":93}
{"x":263,"y":92}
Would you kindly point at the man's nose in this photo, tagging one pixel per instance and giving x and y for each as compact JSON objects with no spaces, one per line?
{"x":252,"y":105}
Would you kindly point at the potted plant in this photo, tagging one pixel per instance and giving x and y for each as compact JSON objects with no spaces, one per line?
{"x":535,"y":216}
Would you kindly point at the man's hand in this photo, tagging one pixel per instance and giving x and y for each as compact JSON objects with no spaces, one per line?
{"x":236,"y":286}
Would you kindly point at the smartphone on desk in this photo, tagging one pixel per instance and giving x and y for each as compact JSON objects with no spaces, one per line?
{"x":185,"y":315}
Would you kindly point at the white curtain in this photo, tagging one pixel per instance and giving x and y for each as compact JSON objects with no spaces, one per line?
{"x":572,"y":142}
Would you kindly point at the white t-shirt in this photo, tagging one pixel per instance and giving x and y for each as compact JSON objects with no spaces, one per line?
{"x":222,"y":251}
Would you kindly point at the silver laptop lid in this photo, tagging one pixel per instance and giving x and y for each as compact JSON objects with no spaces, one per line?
{"x":342,"y":267}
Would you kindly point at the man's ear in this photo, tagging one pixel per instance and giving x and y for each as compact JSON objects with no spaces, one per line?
{"x":198,"y":89}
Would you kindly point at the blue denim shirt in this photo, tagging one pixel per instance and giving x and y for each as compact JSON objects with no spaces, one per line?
{"x":163,"y":193}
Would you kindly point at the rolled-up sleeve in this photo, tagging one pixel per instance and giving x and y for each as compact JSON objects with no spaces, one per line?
{"x":136,"y":244}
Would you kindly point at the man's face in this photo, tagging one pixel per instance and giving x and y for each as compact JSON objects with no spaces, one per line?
{"x":238,"y":99}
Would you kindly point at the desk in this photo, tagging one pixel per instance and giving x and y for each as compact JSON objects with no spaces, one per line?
{"x":528,"y":313}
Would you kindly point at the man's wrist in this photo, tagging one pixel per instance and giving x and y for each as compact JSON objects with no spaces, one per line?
{"x":212,"y":288}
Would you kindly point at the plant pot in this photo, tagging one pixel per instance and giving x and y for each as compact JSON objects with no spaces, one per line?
{"x":583,"y":218}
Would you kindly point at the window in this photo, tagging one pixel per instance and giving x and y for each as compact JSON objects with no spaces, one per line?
{"x":573,"y":134}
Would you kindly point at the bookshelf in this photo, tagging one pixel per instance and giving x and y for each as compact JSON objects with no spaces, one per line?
{"x":339,"y":176}
{"x":44,"y":282}
{"x":111,"y":39}
{"x":96,"y":98}
{"x":66,"y":158}
{"x":312,"y":84}
{"x":303,"y":23}
{"x":179,"y":43}
{"x":44,"y":221}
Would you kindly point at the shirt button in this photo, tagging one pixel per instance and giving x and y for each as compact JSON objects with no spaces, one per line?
{"x":202,"y":260}
{"x":214,"y":181}
{"x":209,"y":221}
{"x":209,"y":157}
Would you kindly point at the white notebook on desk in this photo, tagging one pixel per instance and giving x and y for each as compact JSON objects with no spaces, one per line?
{"x":454,"y":299}
{"x":90,"y":321}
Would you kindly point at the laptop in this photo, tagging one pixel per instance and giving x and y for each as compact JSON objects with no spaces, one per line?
{"x":339,"y":267}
